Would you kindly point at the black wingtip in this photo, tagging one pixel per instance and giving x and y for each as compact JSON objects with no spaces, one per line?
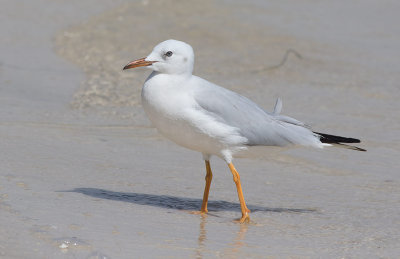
{"x":360,"y":149}
{"x":349,"y":147}
{"x":338,"y":141}
{"x":330,"y":139}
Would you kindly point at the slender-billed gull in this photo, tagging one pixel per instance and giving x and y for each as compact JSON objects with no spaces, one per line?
{"x":205,"y":117}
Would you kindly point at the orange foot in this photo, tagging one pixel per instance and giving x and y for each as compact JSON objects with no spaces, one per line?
{"x":245,"y":217}
{"x":199,"y":212}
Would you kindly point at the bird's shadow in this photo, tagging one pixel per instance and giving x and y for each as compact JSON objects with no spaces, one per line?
{"x":178,"y":203}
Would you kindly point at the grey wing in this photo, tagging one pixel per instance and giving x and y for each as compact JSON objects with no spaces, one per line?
{"x":255,"y":124}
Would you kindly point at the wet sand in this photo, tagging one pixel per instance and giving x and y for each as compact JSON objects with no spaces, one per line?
{"x":85,"y":175}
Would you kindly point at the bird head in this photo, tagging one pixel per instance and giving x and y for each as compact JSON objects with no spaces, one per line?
{"x":169,"y":57}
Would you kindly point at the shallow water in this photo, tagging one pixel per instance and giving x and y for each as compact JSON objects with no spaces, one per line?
{"x":84,"y":175}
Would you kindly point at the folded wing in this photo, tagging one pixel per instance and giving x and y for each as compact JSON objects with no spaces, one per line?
{"x":253,"y":123}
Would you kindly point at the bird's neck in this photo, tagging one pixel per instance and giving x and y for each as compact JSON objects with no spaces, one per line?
{"x":162,"y":78}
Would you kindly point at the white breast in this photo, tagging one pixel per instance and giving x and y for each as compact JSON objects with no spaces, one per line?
{"x":169,"y":104}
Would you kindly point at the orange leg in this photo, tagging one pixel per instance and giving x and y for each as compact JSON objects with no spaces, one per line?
{"x":207,"y":188}
{"x":243,"y":207}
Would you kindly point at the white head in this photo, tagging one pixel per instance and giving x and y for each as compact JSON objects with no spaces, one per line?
{"x":169,"y":57}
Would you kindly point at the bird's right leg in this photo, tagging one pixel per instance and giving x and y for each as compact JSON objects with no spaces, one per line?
{"x":207,"y":187}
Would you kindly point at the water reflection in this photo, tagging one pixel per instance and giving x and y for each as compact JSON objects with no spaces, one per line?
{"x":232,"y":251}
{"x":202,"y":237}
{"x":238,"y":242}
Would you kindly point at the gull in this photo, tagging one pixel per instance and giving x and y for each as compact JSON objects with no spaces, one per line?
{"x":202,"y":116}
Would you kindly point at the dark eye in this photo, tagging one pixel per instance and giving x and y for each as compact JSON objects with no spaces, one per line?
{"x":168,"y":53}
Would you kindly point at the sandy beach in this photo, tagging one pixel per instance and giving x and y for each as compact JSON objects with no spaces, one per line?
{"x":85,"y":175}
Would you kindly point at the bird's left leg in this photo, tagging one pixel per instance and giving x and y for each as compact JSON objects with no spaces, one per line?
{"x":207,"y":187}
{"x":243,"y":207}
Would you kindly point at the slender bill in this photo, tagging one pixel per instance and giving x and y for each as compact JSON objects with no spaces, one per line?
{"x":138,"y":63}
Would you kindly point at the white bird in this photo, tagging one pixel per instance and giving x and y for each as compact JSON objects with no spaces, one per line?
{"x":205,"y":117}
